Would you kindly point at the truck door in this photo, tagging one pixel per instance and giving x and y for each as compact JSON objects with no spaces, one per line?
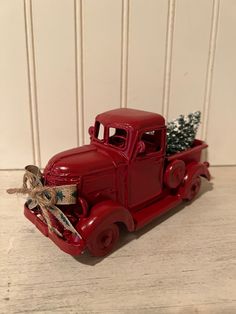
{"x":146,"y":169}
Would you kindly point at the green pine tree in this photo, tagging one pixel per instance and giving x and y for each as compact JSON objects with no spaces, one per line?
{"x":182,"y":131}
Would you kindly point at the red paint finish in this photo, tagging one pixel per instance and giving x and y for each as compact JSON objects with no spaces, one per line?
{"x":71,"y":247}
{"x":123,"y":177}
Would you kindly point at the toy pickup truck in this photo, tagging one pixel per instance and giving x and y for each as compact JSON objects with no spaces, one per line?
{"x":123,"y":177}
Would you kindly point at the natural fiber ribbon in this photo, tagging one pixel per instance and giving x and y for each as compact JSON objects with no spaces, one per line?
{"x":46,"y":197}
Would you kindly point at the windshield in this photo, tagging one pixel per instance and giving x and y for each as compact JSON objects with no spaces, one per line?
{"x":99,"y":133}
{"x":113,"y":136}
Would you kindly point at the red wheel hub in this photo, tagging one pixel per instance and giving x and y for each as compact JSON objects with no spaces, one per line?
{"x":103,"y":240}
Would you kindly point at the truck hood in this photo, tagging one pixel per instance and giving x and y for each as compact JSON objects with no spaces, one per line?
{"x":77,"y":162}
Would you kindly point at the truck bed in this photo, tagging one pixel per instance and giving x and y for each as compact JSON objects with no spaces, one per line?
{"x":191,"y":154}
{"x":166,"y":202}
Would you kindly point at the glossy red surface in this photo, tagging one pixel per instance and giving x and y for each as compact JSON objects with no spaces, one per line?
{"x":123,"y":177}
{"x":74,"y":248}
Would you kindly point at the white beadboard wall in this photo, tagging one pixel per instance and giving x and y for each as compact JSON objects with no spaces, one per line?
{"x":64,"y":61}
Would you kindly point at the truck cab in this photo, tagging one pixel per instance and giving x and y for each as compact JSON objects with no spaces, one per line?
{"x":139,"y":139}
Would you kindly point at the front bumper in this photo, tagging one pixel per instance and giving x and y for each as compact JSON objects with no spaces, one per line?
{"x":74,"y":248}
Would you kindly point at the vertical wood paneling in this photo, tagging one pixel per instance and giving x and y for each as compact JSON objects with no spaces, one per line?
{"x":221,"y":127}
{"x":189,"y":56}
{"x":168,"y":58}
{"x":64,"y":61}
{"x":147,"y":40}
{"x":54,"y":42}
{"x":29,"y":36}
{"x":210,"y":68}
{"x":102,"y":57}
{"x":79,"y":70}
{"x":124,"y":53}
{"x":15,"y":127}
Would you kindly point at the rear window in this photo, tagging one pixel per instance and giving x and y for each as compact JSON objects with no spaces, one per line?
{"x":152,"y":140}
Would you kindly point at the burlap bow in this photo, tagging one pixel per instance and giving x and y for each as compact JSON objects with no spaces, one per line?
{"x":46,"y":197}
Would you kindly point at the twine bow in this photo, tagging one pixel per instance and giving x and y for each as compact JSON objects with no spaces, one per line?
{"x":46,"y":197}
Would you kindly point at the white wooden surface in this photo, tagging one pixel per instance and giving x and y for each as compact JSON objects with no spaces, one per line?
{"x":54,"y":45}
{"x":64,"y":61}
{"x":102,"y":57}
{"x":15,"y":124}
{"x":183,"y":263}
{"x":189,"y":55}
{"x":146,"y":63}
{"x":223,"y":107}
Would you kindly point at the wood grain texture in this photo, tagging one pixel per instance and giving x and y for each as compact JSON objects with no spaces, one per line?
{"x":184,"y":264}
{"x":222,"y":110}
{"x":15,"y":127}
{"x":54,"y":42}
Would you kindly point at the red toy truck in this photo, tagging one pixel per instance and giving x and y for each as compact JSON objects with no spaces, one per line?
{"x":123,"y":177}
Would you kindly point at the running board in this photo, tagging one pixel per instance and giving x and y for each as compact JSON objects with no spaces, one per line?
{"x":147,"y":214}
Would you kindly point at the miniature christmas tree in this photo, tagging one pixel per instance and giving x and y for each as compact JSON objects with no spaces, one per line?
{"x":182,"y":131}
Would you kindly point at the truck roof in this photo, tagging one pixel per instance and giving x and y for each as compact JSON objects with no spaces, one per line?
{"x":135,"y":118}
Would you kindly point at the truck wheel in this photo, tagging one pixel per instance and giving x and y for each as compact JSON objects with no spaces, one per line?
{"x":102,"y":241}
{"x":193,"y":188}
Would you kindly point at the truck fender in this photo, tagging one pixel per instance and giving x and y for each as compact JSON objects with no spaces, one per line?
{"x":104,"y":214}
{"x":193,"y":170}
{"x":174,"y":173}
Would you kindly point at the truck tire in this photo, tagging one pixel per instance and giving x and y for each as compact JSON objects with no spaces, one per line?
{"x":102,"y":240}
{"x":193,"y":188}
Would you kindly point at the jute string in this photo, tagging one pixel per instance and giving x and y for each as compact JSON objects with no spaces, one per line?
{"x":45,"y":197}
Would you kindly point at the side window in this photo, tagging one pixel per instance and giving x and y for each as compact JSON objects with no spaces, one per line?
{"x":117,"y":137}
{"x":99,"y":131}
{"x":152,"y":141}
